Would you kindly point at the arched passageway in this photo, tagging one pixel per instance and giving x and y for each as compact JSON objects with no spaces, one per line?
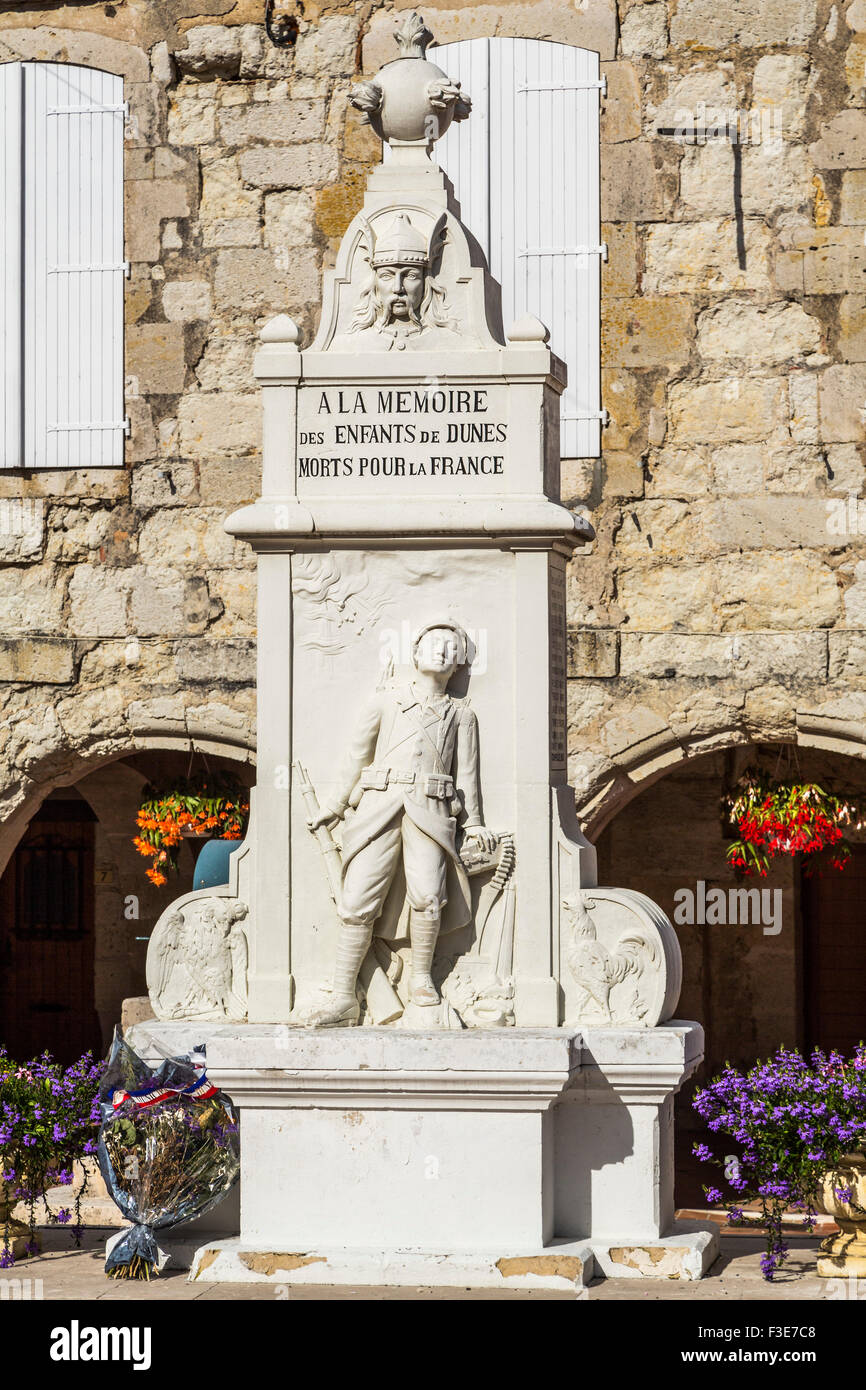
{"x":76,"y":907}
{"x":786,"y":968}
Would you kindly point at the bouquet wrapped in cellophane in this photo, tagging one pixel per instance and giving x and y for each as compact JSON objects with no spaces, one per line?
{"x":168,"y":1151}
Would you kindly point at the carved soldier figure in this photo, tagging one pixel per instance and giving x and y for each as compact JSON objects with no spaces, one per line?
{"x":412,"y":774}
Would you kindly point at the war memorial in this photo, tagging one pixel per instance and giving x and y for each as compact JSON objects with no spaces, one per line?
{"x":454,"y":1053}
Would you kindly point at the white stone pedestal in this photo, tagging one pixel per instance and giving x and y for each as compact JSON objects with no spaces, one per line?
{"x":378,"y":1156}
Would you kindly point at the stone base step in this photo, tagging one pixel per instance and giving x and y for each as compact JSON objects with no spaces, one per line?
{"x":563,"y":1265}
{"x":95,"y":1211}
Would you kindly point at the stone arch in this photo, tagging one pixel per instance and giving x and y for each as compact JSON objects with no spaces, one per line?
{"x":93,"y":729}
{"x":85,"y":48}
{"x":592,"y":25}
{"x":632,"y":767}
{"x":87,"y":755}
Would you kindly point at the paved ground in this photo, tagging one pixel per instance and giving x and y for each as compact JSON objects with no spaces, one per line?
{"x":78,"y":1274}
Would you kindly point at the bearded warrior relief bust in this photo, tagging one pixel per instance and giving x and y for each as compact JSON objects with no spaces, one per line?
{"x":402,"y":299}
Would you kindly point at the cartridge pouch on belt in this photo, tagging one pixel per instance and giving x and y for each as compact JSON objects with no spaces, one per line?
{"x":433,"y":783}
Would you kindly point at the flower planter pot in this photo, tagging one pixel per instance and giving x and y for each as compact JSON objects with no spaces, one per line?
{"x":16,"y":1232}
{"x":212,"y":865}
{"x":845,"y":1253}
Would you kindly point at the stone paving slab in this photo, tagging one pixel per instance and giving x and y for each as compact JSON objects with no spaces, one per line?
{"x":69,"y":1274}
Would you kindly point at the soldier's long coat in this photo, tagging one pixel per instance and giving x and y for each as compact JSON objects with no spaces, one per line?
{"x":403,"y":732}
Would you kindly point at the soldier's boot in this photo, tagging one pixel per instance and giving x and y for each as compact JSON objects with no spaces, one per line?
{"x":423,"y":935}
{"x":340,"y":1009}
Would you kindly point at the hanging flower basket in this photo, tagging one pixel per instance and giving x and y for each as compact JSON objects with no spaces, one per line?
{"x":212,"y":807}
{"x":773,"y":818}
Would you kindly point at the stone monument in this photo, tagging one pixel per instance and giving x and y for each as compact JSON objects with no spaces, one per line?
{"x":413,"y":982}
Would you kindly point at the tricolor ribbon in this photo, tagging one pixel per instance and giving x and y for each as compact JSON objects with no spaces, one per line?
{"x":202,"y":1089}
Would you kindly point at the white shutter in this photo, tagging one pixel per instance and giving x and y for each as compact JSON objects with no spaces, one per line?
{"x":62,"y":182}
{"x":75,"y":270}
{"x":464,"y":154}
{"x":11,"y":324}
{"x":525,"y":168}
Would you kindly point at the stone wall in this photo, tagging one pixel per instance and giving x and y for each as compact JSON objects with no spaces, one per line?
{"x":720,"y":605}
{"x":715,"y":607}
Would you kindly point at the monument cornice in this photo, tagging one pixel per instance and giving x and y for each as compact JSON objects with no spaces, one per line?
{"x":389,"y":1090}
{"x":273,"y":523}
{"x":637,"y":1066}
{"x":492,"y":366}
{"x":277,"y":366}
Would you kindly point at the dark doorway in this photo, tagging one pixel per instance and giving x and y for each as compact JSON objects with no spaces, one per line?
{"x":834,"y":975}
{"x":47,"y":937}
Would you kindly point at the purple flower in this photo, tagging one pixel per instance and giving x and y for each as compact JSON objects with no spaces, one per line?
{"x":64,"y":1215}
{"x":789,"y":1120}
{"x":713,"y":1195}
{"x":703,"y":1152}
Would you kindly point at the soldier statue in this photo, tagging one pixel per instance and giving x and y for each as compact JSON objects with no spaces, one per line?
{"x":411,"y":773}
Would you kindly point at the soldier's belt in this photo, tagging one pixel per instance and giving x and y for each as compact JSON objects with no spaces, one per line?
{"x":433,"y":783}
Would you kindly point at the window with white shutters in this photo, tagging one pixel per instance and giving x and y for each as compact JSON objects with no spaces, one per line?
{"x":525,"y":168}
{"x":61,"y":182}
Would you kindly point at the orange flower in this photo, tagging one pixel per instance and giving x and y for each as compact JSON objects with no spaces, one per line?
{"x":166,"y":818}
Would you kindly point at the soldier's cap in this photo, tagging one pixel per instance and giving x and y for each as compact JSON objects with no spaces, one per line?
{"x":450,"y":626}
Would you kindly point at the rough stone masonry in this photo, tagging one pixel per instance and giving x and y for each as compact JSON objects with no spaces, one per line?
{"x":715,"y":608}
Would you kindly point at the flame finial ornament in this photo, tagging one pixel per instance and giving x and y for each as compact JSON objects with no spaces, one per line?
{"x":413,"y":36}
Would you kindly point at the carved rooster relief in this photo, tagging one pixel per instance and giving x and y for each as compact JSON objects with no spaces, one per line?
{"x":597,"y":969}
